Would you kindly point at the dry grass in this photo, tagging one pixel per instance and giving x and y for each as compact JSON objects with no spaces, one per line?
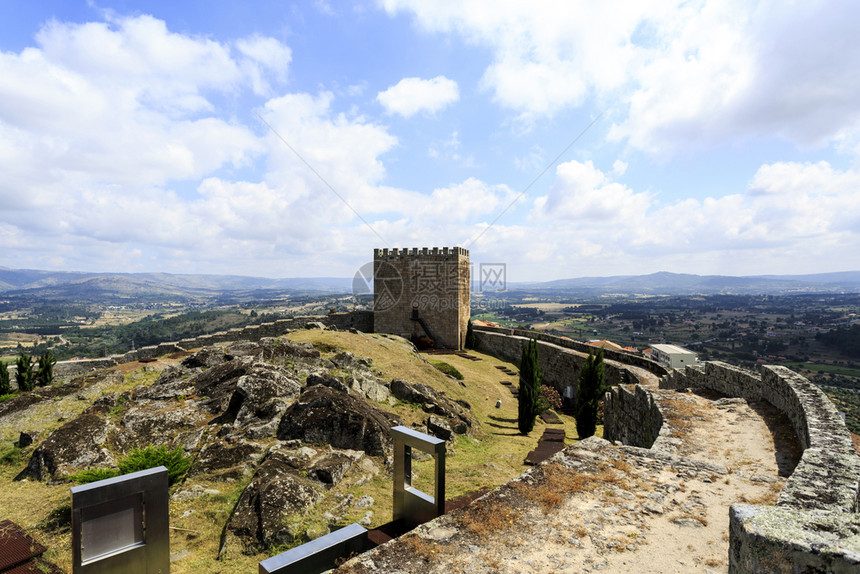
{"x":485,"y":518}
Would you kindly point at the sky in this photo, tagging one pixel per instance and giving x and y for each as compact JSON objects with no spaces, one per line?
{"x":562,"y":139}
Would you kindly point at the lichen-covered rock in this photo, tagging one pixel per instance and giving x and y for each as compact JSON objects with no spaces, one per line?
{"x":432,"y":401}
{"x":280,"y":351}
{"x":332,"y":466}
{"x":276,"y":492}
{"x":439,"y":428}
{"x":156,"y":423}
{"x":207,"y":357}
{"x":323,"y":415}
{"x":215,"y":386}
{"x":76,"y":445}
{"x":253,"y":393}
{"x":228,"y":460}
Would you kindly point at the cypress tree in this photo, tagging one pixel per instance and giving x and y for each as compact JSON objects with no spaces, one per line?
{"x":5,"y":386}
{"x":470,"y":336}
{"x":591,"y":388}
{"x":24,"y":374}
{"x":530,"y":383}
{"x":45,"y":372}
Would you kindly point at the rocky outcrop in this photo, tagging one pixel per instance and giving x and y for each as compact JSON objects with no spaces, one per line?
{"x":76,"y":445}
{"x":434,"y":402}
{"x":277,"y":492}
{"x":324,"y":415}
{"x":223,"y":460}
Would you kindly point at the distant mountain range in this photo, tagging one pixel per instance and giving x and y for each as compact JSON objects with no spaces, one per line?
{"x":64,"y":286}
{"x":60,"y":285}
{"x":664,"y":283}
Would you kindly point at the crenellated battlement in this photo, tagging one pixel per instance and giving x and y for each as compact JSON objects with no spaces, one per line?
{"x":420,"y":252}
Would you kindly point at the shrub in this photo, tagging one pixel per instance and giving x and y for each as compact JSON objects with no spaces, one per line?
{"x":448,"y":369}
{"x":549,"y":398}
{"x":528,"y":399}
{"x":175,"y":461}
{"x":93,"y":475}
{"x":5,"y":385}
{"x":591,"y":389}
{"x":24,"y":375}
{"x":45,"y":371}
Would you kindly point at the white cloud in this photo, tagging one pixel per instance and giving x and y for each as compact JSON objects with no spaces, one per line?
{"x":676,"y":75}
{"x":793,"y":216}
{"x":412,"y":95}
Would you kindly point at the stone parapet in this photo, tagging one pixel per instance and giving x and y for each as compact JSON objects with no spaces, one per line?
{"x":814,"y":525}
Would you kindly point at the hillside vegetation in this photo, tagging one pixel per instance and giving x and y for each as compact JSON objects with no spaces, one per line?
{"x":490,"y":455}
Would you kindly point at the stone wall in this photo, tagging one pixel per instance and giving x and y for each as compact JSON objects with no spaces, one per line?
{"x":620,"y":357}
{"x":814,"y":526}
{"x":359,"y":320}
{"x":632,"y":416}
{"x":422,"y":292}
{"x":560,"y":359}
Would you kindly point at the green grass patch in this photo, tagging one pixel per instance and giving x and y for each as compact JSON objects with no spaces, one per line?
{"x":11,"y":455}
{"x":448,"y":369}
{"x":8,"y":396}
{"x":817,"y":368}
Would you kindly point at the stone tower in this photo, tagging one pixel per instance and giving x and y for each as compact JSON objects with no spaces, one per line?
{"x":422,"y":293}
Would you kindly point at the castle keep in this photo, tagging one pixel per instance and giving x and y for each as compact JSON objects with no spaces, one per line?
{"x":422,"y":293}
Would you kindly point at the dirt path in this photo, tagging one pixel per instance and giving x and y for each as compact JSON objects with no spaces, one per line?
{"x":626,"y":509}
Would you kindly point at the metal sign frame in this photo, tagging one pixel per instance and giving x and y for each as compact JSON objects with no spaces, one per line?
{"x":121,"y":524}
{"x":410,"y":504}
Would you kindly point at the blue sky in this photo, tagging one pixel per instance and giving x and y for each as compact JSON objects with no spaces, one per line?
{"x":290,"y":139}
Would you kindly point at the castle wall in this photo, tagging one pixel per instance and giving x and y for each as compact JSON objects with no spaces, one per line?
{"x":620,"y":357}
{"x":359,"y":320}
{"x":632,"y":416}
{"x":427,"y":284}
{"x":560,"y":362}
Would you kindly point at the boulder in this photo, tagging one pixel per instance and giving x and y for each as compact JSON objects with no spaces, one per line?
{"x":439,"y":428}
{"x":173,"y":382}
{"x":412,"y":393}
{"x":256,"y":389}
{"x":228,"y":460}
{"x":315,"y":325}
{"x":280,"y":351}
{"x":323,"y":415}
{"x":332,"y":466}
{"x":215,"y":386}
{"x":346,"y":360}
{"x":368,"y":386}
{"x":156,"y":423}
{"x":326,"y":380}
{"x":206,"y":358}
{"x":77,"y":445}
{"x":276,"y":493}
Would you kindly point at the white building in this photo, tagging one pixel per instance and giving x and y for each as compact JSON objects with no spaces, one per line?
{"x":673,"y":356}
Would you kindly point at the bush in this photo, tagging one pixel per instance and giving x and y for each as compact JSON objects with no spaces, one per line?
{"x":528,"y":399}
{"x":549,"y":398}
{"x":175,"y":461}
{"x":24,"y":376}
{"x":5,"y":384}
{"x":448,"y":369}
{"x":93,"y":475}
